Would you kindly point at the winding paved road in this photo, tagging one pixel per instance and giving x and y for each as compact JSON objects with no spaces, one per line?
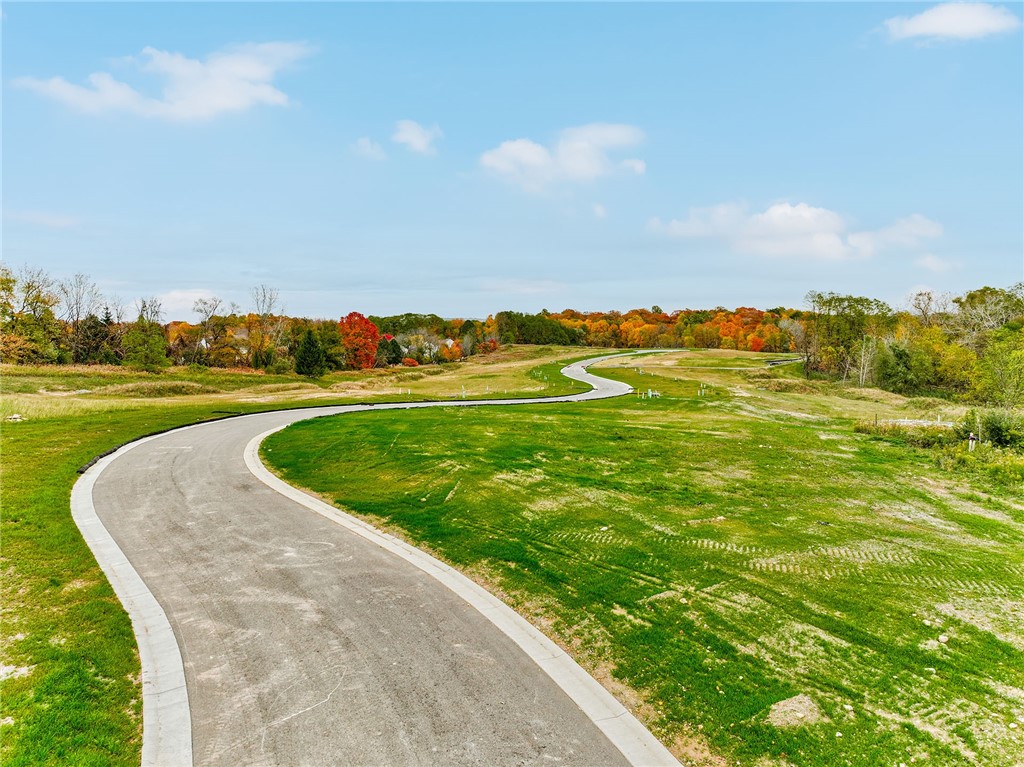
{"x":272,"y":635}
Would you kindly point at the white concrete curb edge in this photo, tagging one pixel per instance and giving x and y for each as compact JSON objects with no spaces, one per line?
{"x":166,"y":718}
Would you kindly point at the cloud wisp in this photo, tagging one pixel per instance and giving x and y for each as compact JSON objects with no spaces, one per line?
{"x":230,"y":80}
{"x":369,"y":149}
{"x":953,"y":21}
{"x":41,"y":218}
{"x":798,"y":231}
{"x":933,"y":263}
{"x":416,"y":137}
{"x":580,"y":154}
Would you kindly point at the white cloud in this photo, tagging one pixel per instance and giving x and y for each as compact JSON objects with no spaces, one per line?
{"x":953,"y":21}
{"x":905,"y":233}
{"x":800,"y":230}
{"x":579,"y":155}
{"x":639,"y":167}
{"x":231,"y":80}
{"x":933,"y":263}
{"x":600,"y":211}
{"x":371,"y":150}
{"x":42,"y":218}
{"x":416,"y":137}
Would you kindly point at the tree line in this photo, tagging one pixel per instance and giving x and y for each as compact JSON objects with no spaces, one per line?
{"x":969,"y":346}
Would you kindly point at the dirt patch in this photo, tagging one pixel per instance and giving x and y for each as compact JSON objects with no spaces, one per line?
{"x":947,"y":492}
{"x":520,"y":478}
{"x":13,"y":672}
{"x":1003,"y":618}
{"x":773,"y":414}
{"x":796,"y":711}
{"x":693,"y":750}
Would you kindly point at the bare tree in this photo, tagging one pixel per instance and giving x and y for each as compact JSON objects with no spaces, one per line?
{"x":206,"y":308}
{"x":984,"y":310}
{"x":35,"y":294}
{"x":115,"y":307}
{"x":929,"y":306}
{"x":266,"y":329}
{"x":864,"y":357}
{"x":796,"y":330}
{"x":150,"y":310}
{"x":264,"y":300}
{"x":80,"y":298}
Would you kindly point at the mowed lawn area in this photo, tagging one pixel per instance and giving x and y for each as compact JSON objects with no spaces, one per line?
{"x":70,"y":692}
{"x":761,"y":584}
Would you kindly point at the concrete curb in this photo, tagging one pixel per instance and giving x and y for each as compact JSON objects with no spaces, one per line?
{"x":166,"y":719}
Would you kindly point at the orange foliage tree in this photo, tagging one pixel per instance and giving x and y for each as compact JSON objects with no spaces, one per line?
{"x":743,"y":329}
{"x":359,"y":336}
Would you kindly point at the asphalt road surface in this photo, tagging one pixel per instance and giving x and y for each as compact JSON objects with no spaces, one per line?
{"x":304,"y":643}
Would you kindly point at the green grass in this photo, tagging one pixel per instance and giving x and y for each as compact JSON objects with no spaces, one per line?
{"x":715,"y":555}
{"x":71,"y":695}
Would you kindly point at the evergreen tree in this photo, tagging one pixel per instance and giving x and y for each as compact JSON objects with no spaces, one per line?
{"x":310,"y":359}
{"x":395,"y":353}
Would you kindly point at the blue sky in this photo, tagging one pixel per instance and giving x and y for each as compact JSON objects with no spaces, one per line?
{"x":467,"y":158}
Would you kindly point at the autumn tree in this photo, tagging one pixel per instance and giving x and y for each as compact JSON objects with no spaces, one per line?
{"x":451,"y":351}
{"x":359,"y":337}
{"x":30,"y":331}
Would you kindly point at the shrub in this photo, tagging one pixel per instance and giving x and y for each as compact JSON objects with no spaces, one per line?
{"x":280,"y":366}
{"x":1002,"y":428}
{"x":1003,"y":466}
{"x":910,"y":434}
{"x":409,"y":362}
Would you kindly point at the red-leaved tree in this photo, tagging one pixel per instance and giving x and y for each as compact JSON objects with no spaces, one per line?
{"x":359,"y":336}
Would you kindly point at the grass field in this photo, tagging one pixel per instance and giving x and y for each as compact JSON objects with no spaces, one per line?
{"x":70,"y":673}
{"x":761,"y":584}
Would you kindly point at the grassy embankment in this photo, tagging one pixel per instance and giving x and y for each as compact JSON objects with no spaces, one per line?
{"x":70,"y":691}
{"x":759,"y":582}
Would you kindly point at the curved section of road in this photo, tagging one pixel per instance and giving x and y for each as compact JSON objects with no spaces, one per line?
{"x":270,"y":635}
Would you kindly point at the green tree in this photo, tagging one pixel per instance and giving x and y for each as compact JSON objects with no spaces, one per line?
{"x":310,"y":360}
{"x":901,"y":369}
{"x":1001,"y":370}
{"x":145,"y":343}
{"x":145,"y":346}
